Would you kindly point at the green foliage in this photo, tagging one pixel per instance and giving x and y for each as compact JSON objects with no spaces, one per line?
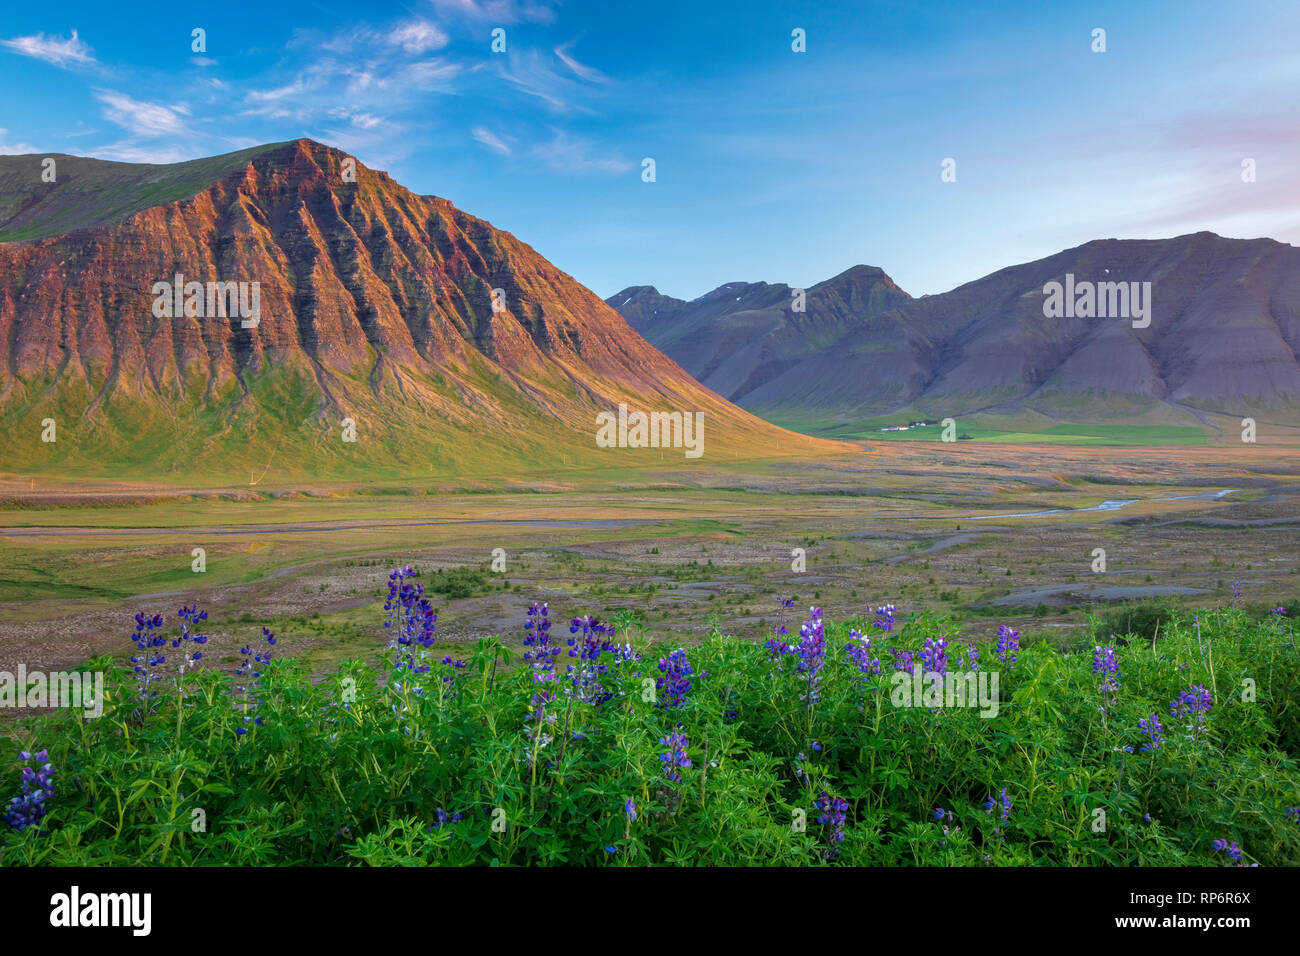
{"x":355,"y":768}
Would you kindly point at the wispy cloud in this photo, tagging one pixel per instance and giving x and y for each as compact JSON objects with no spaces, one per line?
{"x":588,"y":73}
{"x":535,"y":73}
{"x":503,"y":12}
{"x":418,"y":36}
{"x":54,"y":49}
{"x":141,"y":118}
{"x":490,"y":139}
{"x":11,"y":148}
{"x":565,"y":153}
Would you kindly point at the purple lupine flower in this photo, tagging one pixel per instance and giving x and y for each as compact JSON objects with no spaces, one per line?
{"x":410,"y":620}
{"x":1008,"y":645}
{"x":934,"y":655}
{"x":972,"y":657}
{"x":190,"y":617}
{"x":1151,"y":727}
{"x":834,"y":811}
{"x":1280,"y":611}
{"x":675,"y":681}
{"x":29,"y":808}
{"x":445,"y":818}
{"x":812,"y":654}
{"x":903,"y":660}
{"x":884,"y":617}
{"x":248,"y":660}
{"x":1105,"y":663}
{"x":145,"y":665}
{"x":941,"y":815}
{"x":541,"y":652}
{"x":1232,"y":849}
{"x":859,"y":651}
{"x":1293,"y":813}
{"x":453,"y":664}
{"x":630,"y":809}
{"x":675,"y":760}
{"x":1004,"y":813}
{"x":1193,"y":705}
{"x":596,"y":640}
{"x":1236,"y":589}
{"x":1194,"y":701}
{"x":776,"y":646}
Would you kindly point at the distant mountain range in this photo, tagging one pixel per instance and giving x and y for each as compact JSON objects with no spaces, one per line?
{"x":1223,"y":336}
{"x":376,"y":306}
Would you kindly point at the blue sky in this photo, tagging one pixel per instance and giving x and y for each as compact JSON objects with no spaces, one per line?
{"x":770,"y":164}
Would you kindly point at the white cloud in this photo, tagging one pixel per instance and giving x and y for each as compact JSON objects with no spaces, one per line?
{"x":14,"y":148}
{"x":496,"y":11}
{"x":56,"y":50}
{"x":418,"y":36}
{"x":490,"y":139}
{"x":566,"y":154}
{"x":589,"y":73}
{"x":128,"y":152}
{"x":140,"y":118}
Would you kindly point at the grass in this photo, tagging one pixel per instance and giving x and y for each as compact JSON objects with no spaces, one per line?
{"x":380,"y":767}
{"x":1103,"y":435}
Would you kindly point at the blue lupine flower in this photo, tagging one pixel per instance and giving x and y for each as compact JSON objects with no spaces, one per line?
{"x":444,"y":818}
{"x":834,"y":811}
{"x":675,"y":759}
{"x":1151,"y":727}
{"x":630,"y":809}
{"x":29,"y":808}
{"x":1193,"y":705}
{"x":1004,"y":812}
{"x":190,"y":617}
{"x":1008,"y":645}
{"x":411,"y":620}
{"x":1104,"y":662}
{"x":671,"y":688}
{"x":812,"y":654}
{"x":597,"y":639}
{"x":859,"y":651}
{"x":934,"y":655}
{"x":541,"y":652}
{"x":776,"y":647}
{"x":1232,"y":849}
{"x":884,"y":617}
{"x":249,"y":660}
{"x":145,"y":665}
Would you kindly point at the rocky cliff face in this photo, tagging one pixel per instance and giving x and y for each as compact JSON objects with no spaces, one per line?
{"x":376,"y":305}
{"x":1223,"y":335}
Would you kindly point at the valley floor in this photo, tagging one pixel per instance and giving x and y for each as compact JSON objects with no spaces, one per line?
{"x":956,"y":529}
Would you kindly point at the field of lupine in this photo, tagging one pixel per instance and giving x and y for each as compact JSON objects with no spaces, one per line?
{"x":593,"y":746}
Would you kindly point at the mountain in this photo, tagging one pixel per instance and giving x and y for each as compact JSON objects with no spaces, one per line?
{"x":743,"y":335}
{"x":1223,"y":336}
{"x":376,"y":306}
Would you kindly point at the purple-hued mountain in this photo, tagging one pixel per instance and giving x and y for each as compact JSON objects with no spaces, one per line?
{"x":1223,"y":336}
